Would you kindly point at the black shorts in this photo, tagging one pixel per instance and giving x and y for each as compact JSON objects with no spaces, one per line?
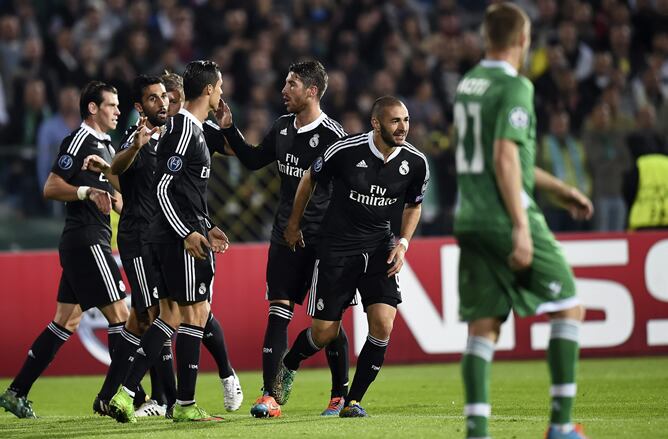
{"x":336,"y":279}
{"x":90,"y":277}
{"x":142,"y":277}
{"x":289,"y":273}
{"x":184,"y":279}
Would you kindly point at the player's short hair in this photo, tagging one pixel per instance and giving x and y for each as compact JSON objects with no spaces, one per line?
{"x":199,"y":74}
{"x":92,"y":92}
{"x":311,"y":73}
{"x":382,"y":103}
{"x":173,"y":82}
{"x":140,"y":84}
{"x":503,"y":24}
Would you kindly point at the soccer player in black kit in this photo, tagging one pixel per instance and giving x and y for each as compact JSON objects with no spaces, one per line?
{"x":90,"y":275}
{"x":373,"y":174}
{"x":293,"y":142}
{"x":182,"y":239}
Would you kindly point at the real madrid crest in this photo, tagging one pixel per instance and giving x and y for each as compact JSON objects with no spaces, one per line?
{"x":313,"y":142}
{"x":403,"y":168}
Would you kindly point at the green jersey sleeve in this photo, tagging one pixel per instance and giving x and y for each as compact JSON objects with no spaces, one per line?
{"x":513,"y":120}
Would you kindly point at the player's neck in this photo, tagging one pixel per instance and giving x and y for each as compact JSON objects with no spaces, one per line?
{"x":198,"y":108}
{"x":308,"y":115}
{"x":510,"y":56}
{"x":94,"y":125}
{"x":383,"y":147}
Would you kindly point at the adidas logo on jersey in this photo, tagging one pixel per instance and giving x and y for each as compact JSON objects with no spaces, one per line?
{"x":284,"y":132}
{"x":361,"y":164}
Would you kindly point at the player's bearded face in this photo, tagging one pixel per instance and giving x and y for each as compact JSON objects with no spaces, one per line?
{"x":394,"y":125}
{"x":154,"y":104}
{"x":108,"y":112}
{"x":294,"y":93}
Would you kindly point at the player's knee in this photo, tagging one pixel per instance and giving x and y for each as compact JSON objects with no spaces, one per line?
{"x":576,"y":313}
{"x":323,"y":335}
{"x":381,"y":329}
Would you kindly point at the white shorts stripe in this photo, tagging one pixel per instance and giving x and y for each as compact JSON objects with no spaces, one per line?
{"x":314,"y":284}
{"x":558,"y":305}
{"x":108,"y":279}
{"x":141,"y":278}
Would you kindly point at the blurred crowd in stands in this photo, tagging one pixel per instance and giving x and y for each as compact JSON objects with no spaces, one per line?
{"x":600,"y":70}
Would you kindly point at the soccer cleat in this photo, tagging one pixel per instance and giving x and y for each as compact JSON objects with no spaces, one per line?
{"x":101,"y":406}
{"x":266,"y":407}
{"x":169,"y":413}
{"x":192,"y":413}
{"x":18,"y":405}
{"x":353,"y":410}
{"x":121,"y":407}
{"x":576,"y":433}
{"x":283,"y":383}
{"x":151,"y":408}
{"x":232,"y":394}
{"x":335,"y":406}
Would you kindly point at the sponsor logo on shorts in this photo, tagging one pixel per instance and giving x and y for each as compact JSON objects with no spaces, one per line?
{"x":65,"y":162}
{"x":121,"y":286}
{"x":555,"y":288}
{"x":320,"y":305}
{"x":202,"y":288}
{"x":155,"y":292}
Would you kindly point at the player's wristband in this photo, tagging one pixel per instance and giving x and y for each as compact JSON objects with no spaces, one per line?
{"x":404,"y":242}
{"x":82,"y":192}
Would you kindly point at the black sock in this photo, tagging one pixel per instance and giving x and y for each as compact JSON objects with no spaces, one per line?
{"x":337,"y":358}
{"x":148,"y":352}
{"x":188,"y":344}
{"x":368,"y":365}
{"x":41,"y":353}
{"x":113,"y":335}
{"x":164,"y":369}
{"x":157,"y":389}
{"x":275,"y":341}
{"x":302,"y":348}
{"x":214,"y":342}
{"x":125,"y":347}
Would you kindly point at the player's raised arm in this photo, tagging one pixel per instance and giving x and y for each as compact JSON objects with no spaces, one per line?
{"x":251,"y":156}
{"x":131,"y":147}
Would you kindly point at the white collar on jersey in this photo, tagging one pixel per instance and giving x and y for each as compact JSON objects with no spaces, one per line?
{"x":98,"y":135}
{"x":191,"y":116}
{"x":499,"y":64}
{"x":313,"y":125}
{"x":376,"y":151}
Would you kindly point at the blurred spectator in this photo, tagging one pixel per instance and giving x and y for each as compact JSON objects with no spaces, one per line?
{"x":564,"y":157}
{"x":26,"y":118}
{"x":93,"y":27}
{"x":645,"y":139}
{"x":600,"y":78}
{"x":608,"y":160}
{"x":578,"y":54}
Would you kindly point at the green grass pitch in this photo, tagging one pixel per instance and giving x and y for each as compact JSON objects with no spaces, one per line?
{"x":617,"y":398}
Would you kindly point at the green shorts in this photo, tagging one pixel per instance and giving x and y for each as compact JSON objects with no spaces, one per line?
{"x":489,"y":288}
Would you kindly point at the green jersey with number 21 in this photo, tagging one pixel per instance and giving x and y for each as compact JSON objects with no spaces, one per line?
{"x":492,"y":102}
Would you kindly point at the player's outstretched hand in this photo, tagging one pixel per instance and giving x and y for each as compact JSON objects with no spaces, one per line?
{"x":218,"y":240}
{"x":293,"y":236}
{"x":102,"y":199}
{"x":95,"y":163}
{"x":578,"y":205}
{"x":196,"y":245}
{"x":143,"y":134}
{"x":522,"y":253}
{"x":396,"y":258}
{"x":224,"y":115}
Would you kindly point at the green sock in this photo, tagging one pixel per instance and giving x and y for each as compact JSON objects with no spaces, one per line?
{"x":562,"y":358}
{"x":476,"y":363}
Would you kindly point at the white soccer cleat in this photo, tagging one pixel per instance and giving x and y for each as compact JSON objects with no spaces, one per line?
{"x":232,"y":394}
{"x":150,"y":408}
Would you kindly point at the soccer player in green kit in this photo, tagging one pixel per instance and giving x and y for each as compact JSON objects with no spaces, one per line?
{"x":509,"y":259}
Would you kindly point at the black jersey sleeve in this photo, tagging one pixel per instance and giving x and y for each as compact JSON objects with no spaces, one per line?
{"x":71,"y":155}
{"x":252,"y":156}
{"x":418,"y":185}
{"x":172,"y":163}
{"x":324,"y":167}
{"x":214,"y":137}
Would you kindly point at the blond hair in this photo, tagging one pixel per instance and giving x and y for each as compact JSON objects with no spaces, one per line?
{"x":503,"y":25}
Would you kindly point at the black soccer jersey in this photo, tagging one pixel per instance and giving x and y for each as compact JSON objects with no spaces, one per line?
{"x":84,"y":224}
{"x":293,"y":150}
{"x":136,"y":186}
{"x":367,"y":192}
{"x":180,"y":181}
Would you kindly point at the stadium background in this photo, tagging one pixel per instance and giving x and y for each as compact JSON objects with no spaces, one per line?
{"x":601,"y":75}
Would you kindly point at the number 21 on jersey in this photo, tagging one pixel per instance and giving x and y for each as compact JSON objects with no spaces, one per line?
{"x":464,"y":114}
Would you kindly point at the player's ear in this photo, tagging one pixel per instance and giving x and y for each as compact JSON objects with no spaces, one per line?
{"x":92,"y":107}
{"x":375,"y":123}
{"x":139,"y":108}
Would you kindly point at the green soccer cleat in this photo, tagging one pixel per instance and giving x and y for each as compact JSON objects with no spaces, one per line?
{"x":193,"y":413}
{"x":283,"y":383}
{"x":353,"y":410}
{"x":121,"y":407}
{"x":18,"y":405}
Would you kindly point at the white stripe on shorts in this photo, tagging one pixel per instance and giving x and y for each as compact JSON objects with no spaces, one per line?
{"x":105,"y":271}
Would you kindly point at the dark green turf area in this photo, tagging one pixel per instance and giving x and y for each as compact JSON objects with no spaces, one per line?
{"x":617,"y":398}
